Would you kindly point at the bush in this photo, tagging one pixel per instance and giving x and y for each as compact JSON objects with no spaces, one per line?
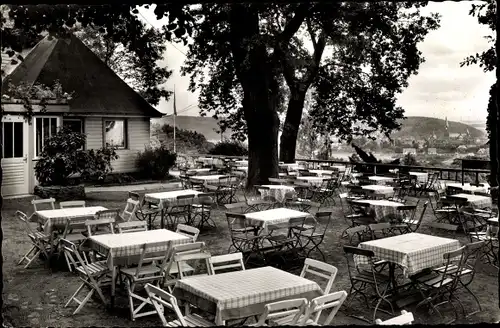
{"x":229,"y":148}
{"x":63,"y":156}
{"x":410,"y":160}
{"x":155,"y":163}
{"x":186,"y":140}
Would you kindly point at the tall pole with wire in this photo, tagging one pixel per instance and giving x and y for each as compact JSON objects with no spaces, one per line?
{"x":175,"y":114}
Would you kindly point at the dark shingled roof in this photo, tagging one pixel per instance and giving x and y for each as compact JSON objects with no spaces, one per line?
{"x":98,"y":90}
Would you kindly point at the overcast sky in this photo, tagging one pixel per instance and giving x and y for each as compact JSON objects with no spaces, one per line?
{"x":441,"y":89}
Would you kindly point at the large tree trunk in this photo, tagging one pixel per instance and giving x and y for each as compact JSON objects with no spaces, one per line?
{"x":496,"y":167}
{"x":288,"y":143}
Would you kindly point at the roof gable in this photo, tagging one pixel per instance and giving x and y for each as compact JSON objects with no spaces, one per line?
{"x":98,"y":90}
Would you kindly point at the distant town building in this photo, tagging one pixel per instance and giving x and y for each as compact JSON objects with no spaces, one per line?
{"x":410,"y":151}
{"x":432,"y":151}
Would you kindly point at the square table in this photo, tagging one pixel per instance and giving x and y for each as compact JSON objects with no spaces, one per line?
{"x":262,"y":219}
{"x":314,"y":181}
{"x":210,"y":161}
{"x":169,"y":198}
{"x":209,"y":179}
{"x":476,"y":201}
{"x":467,"y":187}
{"x":57,"y":218}
{"x":242,"y":294}
{"x":421,"y":177}
{"x":412,"y":251}
{"x":322,"y":173}
{"x":380,"y":180}
{"x":382,"y":210}
{"x":340,"y":168}
{"x":125,"y":248}
{"x":379,"y":190}
{"x":276,"y":191}
{"x":194,"y":171}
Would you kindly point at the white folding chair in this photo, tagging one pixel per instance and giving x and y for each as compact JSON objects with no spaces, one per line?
{"x":406,"y":318}
{"x":188,"y":231}
{"x":41,"y":204}
{"x":132,"y":226}
{"x":40,"y":242}
{"x":93,"y":225}
{"x":72,"y":203}
{"x":146,"y":271}
{"x":293,"y":308}
{"x":182,"y":259}
{"x":72,"y":262}
{"x":171,"y":269}
{"x":322,"y":270}
{"x":160,"y":299}
{"x":225,"y":262}
{"x":130,"y":209}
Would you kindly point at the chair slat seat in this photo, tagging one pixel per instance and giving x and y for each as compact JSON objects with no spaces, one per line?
{"x":145,"y":270}
{"x":453,"y":269}
{"x":147,"y":211}
{"x":185,"y":267}
{"x":95,"y":268}
{"x":39,"y":235}
{"x":366,"y":276}
{"x":75,"y":237}
{"x":434,"y":281}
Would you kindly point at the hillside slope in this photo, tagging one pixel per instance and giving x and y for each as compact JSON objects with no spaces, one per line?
{"x":203,"y":125}
{"x":423,"y":127}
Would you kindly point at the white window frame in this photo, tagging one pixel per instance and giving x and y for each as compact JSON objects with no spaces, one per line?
{"x":58,"y":126}
{"x":125,"y":130}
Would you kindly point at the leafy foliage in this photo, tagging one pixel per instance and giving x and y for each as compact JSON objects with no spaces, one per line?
{"x":229,"y":148}
{"x":63,"y":156}
{"x":186,"y":140}
{"x":155,"y":163}
{"x":410,"y":160}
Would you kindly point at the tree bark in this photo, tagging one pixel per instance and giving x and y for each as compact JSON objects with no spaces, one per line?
{"x":288,"y":142}
{"x":497,"y":103}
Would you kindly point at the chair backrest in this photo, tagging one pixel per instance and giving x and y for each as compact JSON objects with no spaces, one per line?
{"x":421,"y":217}
{"x":276,"y":310}
{"x":350,"y":251}
{"x":383,"y":227}
{"x":235,"y":207}
{"x":72,"y":203}
{"x":72,"y":254}
{"x":322,"y":270}
{"x":471,"y":255}
{"x":332,"y":301}
{"x":130,"y":208}
{"x":443,"y":226}
{"x":359,"y":231}
{"x":92,"y":225}
{"x":160,"y":299}
{"x":406,"y":318}
{"x":198,"y":257}
{"x":224,"y":262}
{"x":133,"y":195}
{"x":322,"y":216}
{"x":188,"y":231}
{"x":41,"y":204}
{"x":183,"y":200}
{"x":236,"y":221}
{"x":150,"y":254}
{"x":107,"y":214}
{"x":206,"y":198}
{"x":132,"y":226}
{"x":453,"y":267}
{"x":24,"y":219}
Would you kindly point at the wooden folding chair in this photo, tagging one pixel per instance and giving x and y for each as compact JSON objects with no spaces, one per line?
{"x":133,"y":195}
{"x":94,"y":225}
{"x":130,"y":209}
{"x":202,"y":210}
{"x":227,"y":261}
{"x":239,"y":207}
{"x":43,"y":204}
{"x":72,"y":203}
{"x":73,"y":232}
{"x":188,"y":231}
{"x":316,"y":235}
{"x":161,"y":299}
{"x":148,"y":211}
{"x":293,"y":308}
{"x":406,"y":318}
{"x":170,"y":268}
{"x":91,"y":276}
{"x":132,"y":226}
{"x":321,"y":270}
{"x":71,"y":261}
{"x":182,"y":259}
{"x":40,"y":242}
{"x":148,"y":270}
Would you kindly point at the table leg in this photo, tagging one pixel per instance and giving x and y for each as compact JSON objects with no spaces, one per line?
{"x":162,"y":217}
{"x":392,"y":275}
{"x":113,"y":285}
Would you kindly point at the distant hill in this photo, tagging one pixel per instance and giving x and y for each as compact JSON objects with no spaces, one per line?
{"x":203,"y":125}
{"x":422,"y":127}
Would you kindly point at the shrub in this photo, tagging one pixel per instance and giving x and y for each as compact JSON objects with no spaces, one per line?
{"x":185,"y":140}
{"x":155,"y":163}
{"x":63,"y":156}
{"x":410,"y":160}
{"x":229,"y":148}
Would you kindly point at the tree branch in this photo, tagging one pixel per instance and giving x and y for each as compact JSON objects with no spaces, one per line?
{"x":294,"y":24}
{"x":311,"y":32}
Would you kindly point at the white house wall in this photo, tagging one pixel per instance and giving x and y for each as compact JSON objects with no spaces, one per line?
{"x":138,"y":136}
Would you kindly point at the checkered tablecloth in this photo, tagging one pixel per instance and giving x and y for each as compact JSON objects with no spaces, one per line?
{"x":241,"y":294}
{"x":476,"y":201}
{"x":57,"y":218}
{"x":467,"y":188}
{"x":420,"y":176}
{"x":194,"y":171}
{"x":313,"y":181}
{"x":169,"y":198}
{"x":210,"y":179}
{"x":277,"y":191}
{"x":382,"y":210}
{"x":379,"y":190}
{"x":273,"y":216}
{"x":381,"y":180}
{"x":125,"y":248}
{"x":210,"y":161}
{"x":322,"y":173}
{"x":413,"y":251}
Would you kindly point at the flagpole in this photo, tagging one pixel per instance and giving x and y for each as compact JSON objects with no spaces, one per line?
{"x":175,"y":114}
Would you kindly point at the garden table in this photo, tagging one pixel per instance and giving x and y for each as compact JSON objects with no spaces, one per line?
{"x":276,"y":191}
{"x":210,"y":161}
{"x":242,"y":294}
{"x":169,"y":198}
{"x":290,"y":166}
{"x":194,"y":171}
{"x":209,"y":179}
{"x":467,"y":187}
{"x":380,"y":179}
{"x":57,"y":218}
{"x":378,"y":190}
{"x":124,"y":249}
{"x":262,"y":219}
{"x":314,"y":181}
{"x":421,"y":177}
{"x":241,"y":163}
{"x":475,"y":201}
{"x":242,"y":168}
{"x":414,"y":252}
{"x":322,"y":173}
{"x":340,"y":168}
{"x":382,"y":210}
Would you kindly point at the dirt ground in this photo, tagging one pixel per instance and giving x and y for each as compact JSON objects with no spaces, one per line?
{"x":36,"y":296}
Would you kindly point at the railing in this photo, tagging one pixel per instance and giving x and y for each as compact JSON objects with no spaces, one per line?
{"x":445,"y":173}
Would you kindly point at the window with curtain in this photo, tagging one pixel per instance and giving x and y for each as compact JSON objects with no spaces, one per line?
{"x":115,"y":133}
